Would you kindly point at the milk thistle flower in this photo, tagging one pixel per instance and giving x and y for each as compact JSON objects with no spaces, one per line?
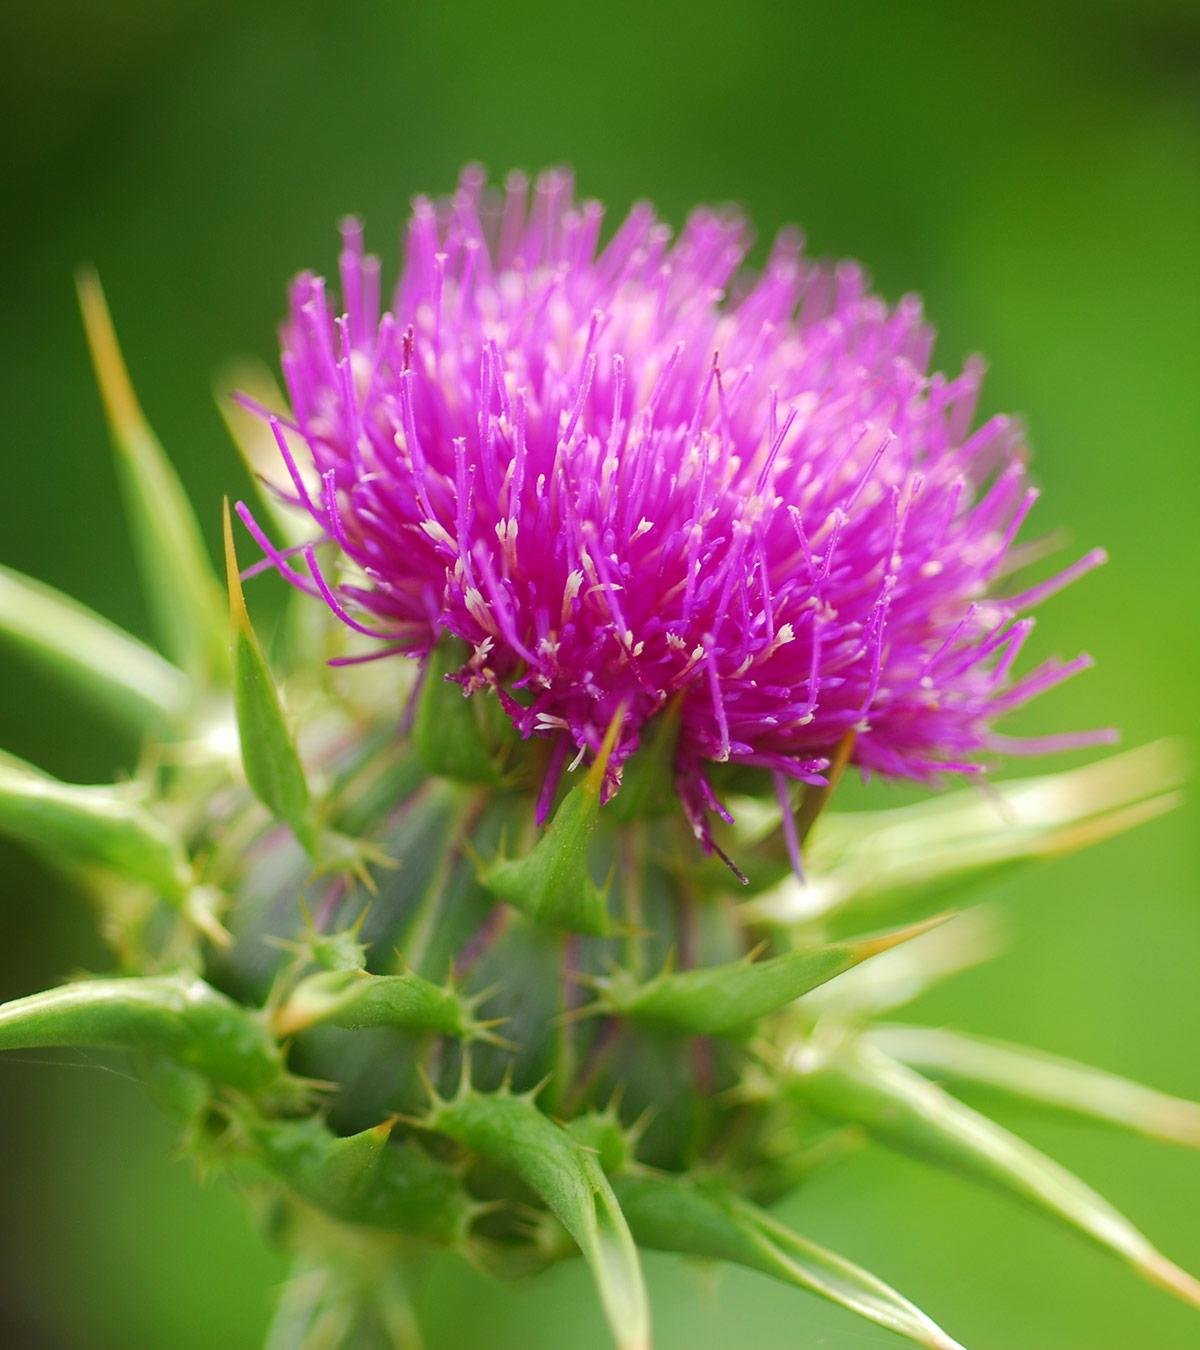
{"x":444,"y":967}
{"x":626,"y":475}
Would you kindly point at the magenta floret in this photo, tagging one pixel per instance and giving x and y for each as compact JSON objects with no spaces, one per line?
{"x":627,"y":473}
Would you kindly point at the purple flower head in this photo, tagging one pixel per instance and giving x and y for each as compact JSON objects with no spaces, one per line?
{"x":630,"y":474}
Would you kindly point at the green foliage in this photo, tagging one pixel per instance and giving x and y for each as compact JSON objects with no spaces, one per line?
{"x":704,"y":1219}
{"x":552,"y":884}
{"x":93,"y":656}
{"x":1031,"y":1076}
{"x":365,"y":1178}
{"x":913,"y":857}
{"x":512,"y":1132}
{"x":107,"y":826}
{"x":178,"y":1016}
{"x":176,"y":572}
{"x":722,"y":1074}
{"x":854,"y":1082}
{"x":356,"y":999}
{"x":728,"y":999}
{"x":269,"y":755}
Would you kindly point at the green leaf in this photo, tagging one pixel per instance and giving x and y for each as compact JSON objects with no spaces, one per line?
{"x":94,"y":656}
{"x":356,"y":999}
{"x":178,"y":1016}
{"x":512,"y":1133}
{"x":450,"y":730}
{"x":718,"y":1000}
{"x":693,"y":1219}
{"x":180,"y":585}
{"x":1047,"y":1080}
{"x":101,"y":825}
{"x":269,"y":755}
{"x":552,"y":884}
{"x":854,"y":1082}
{"x":365,"y":1179}
{"x":863,"y":861}
{"x":612,"y":1142}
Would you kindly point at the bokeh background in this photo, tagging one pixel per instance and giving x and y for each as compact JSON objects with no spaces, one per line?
{"x":1033,"y":169}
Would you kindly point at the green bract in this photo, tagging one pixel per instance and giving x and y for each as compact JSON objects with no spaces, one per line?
{"x":368,"y":984}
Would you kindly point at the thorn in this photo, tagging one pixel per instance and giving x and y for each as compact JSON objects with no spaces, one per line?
{"x":317,"y":1084}
{"x":886,"y":941}
{"x":815,"y":799}
{"x":639,"y":1127}
{"x":630,"y":930}
{"x":477,"y":1000}
{"x":500,"y":1042}
{"x":615,"y":1098}
{"x":233,"y":580}
{"x":1163,"y":1272}
{"x":478,"y":1209}
{"x":573,"y":1015}
{"x":464,"y":1074}
{"x":534,"y":1092}
{"x":198,"y":909}
{"x":427,"y":1086}
{"x":594,"y":780}
{"x":413,"y":1122}
{"x":585,"y":978}
{"x":116,"y":388}
{"x":475,"y":858}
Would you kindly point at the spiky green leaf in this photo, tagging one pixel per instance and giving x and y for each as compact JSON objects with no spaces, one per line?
{"x":178,"y":1016}
{"x":366,"y":1178}
{"x":95,"y":657}
{"x":101,"y":825}
{"x":1046,"y":1080}
{"x":178,"y":578}
{"x":512,"y":1133}
{"x":612,"y":1142}
{"x":675,"y":1215}
{"x":719,"y":1000}
{"x":270,"y":758}
{"x":355,"y":999}
{"x":552,"y":884}
{"x":854,"y":1082}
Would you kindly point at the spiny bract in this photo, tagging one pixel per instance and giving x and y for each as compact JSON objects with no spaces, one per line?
{"x":408,"y":979}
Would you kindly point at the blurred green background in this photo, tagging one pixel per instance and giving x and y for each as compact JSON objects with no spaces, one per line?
{"x":1033,"y":169}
